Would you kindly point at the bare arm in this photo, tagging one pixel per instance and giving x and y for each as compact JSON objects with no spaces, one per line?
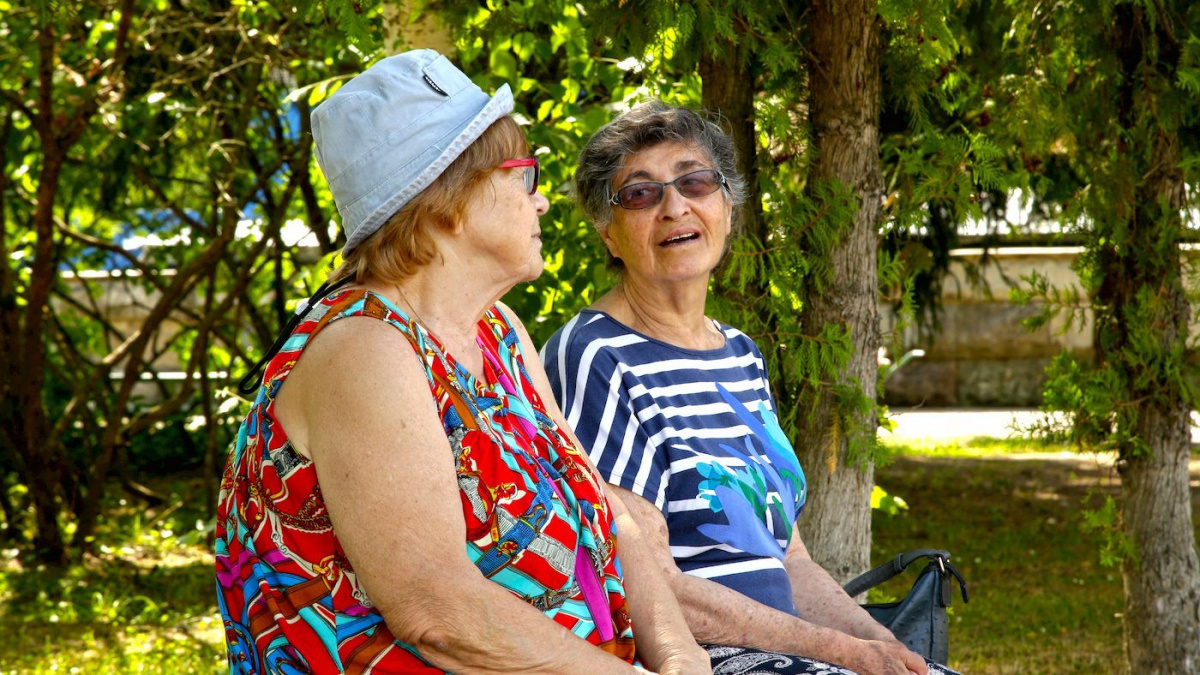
{"x":663,"y":639}
{"x":817,"y":595}
{"x":720,"y":615}
{"x":388,"y":479}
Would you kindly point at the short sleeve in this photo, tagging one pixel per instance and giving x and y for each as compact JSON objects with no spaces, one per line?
{"x":590,"y":384}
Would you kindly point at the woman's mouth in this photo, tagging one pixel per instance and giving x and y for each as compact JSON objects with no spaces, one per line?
{"x":680,"y":238}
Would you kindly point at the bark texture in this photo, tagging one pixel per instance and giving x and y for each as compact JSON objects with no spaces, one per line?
{"x":1162,"y":586}
{"x":844,"y":107}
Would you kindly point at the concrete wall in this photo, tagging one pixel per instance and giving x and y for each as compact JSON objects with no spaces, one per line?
{"x":981,"y":354}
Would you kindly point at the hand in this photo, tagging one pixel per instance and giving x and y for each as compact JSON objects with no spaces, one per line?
{"x":882,"y":657}
{"x":915,"y":662}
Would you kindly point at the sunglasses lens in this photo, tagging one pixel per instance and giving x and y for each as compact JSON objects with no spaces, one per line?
{"x":691,"y":185}
{"x":640,"y":195}
{"x":697,"y":184}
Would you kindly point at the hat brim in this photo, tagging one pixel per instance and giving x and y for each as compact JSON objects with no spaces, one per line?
{"x":499,"y":105}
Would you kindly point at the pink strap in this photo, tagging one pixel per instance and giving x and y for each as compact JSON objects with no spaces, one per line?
{"x":593,"y":594}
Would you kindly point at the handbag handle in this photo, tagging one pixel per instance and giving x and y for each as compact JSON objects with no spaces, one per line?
{"x":868,"y":580}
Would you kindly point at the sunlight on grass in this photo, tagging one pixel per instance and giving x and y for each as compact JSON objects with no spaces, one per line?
{"x":143,"y":603}
{"x":980,"y":446}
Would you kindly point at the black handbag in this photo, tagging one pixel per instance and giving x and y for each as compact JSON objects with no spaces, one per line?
{"x":919,"y":619}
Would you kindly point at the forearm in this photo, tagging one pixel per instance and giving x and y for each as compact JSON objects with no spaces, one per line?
{"x":817,"y":595}
{"x":719,"y":615}
{"x":488,"y":630}
{"x":664,"y":640}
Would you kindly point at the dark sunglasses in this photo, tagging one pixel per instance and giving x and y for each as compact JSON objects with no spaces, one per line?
{"x":532,"y":174}
{"x":643,"y":195}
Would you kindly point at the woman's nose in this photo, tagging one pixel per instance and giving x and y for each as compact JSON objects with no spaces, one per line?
{"x":540,"y":202}
{"x":674,"y":204}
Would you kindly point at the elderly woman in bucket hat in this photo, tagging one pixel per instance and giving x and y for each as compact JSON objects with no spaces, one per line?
{"x":401,"y":497}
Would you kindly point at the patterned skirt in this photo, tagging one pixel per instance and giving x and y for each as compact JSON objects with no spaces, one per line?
{"x":749,"y":661}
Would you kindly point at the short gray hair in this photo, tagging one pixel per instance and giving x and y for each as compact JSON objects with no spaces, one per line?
{"x":642,"y":127}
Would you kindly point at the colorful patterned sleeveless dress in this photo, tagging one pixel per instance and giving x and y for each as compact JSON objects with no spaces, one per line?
{"x":537,"y":521}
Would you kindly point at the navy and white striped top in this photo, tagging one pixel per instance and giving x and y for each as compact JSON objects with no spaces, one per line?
{"x":694,"y":432}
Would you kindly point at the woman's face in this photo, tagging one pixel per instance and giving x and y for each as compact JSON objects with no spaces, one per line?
{"x":501,"y":229}
{"x":678,"y":239}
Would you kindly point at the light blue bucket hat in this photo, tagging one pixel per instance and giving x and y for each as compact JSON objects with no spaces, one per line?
{"x":389,"y":132}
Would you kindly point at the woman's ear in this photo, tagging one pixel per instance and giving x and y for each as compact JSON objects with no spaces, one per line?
{"x":454,"y":226}
{"x":609,"y":242}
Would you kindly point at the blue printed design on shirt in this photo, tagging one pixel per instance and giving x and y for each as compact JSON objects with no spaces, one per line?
{"x":744,"y":494}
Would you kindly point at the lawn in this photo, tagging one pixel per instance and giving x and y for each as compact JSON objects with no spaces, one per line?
{"x":144,"y":603}
{"x":1041,"y":602}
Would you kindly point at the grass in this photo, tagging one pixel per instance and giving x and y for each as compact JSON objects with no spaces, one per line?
{"x":1041,"y":602}
{"x":144,"y":603}
{"x":1008,"y":511}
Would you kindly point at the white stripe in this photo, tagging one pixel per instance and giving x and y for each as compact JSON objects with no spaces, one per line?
{"x":681,"y":505}
{"x":698,"y":410}
{"x":738,"y":568}
{"x":684,"y":434}
{"x":645,"y":463}
{"x":611,"y":402}
{"x":687,"y":463}
{"x":690,"y":388}
{"x":585,"y":369}
{"x":667,"y":365}
{"x":624,"y":455}
{"x":663,"y":481}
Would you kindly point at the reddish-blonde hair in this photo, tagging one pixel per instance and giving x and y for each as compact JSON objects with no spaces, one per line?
{"x":404,"y":243}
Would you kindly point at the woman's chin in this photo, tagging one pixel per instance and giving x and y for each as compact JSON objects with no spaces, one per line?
{"x":534,"y":271}
{"x":680,"y":275}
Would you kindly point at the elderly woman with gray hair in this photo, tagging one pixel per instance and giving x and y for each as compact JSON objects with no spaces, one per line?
{"x":401,"y":497}
{"x":675,"y":410}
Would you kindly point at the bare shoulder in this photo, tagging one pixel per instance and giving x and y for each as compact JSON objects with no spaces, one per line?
{"x":356,"y":368}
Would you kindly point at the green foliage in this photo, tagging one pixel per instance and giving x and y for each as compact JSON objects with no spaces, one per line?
{"x":563,"y":87}
{"x":181,"y":132}
{"x":886,"y":502}
{"x":1103,"y":110}
{"x":1116,"y":545}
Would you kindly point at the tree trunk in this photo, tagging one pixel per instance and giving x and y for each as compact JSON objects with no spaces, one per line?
{"x":1162,"y":584}
{"x":43,"y":461}
{"x":844,"y":107}
{"x":1162,"y":580}
{"x":1142,"y":330}
{"x":729,"y":91}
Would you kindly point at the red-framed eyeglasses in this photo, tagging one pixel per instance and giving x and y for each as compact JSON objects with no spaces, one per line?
{"x":532,"y":173}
